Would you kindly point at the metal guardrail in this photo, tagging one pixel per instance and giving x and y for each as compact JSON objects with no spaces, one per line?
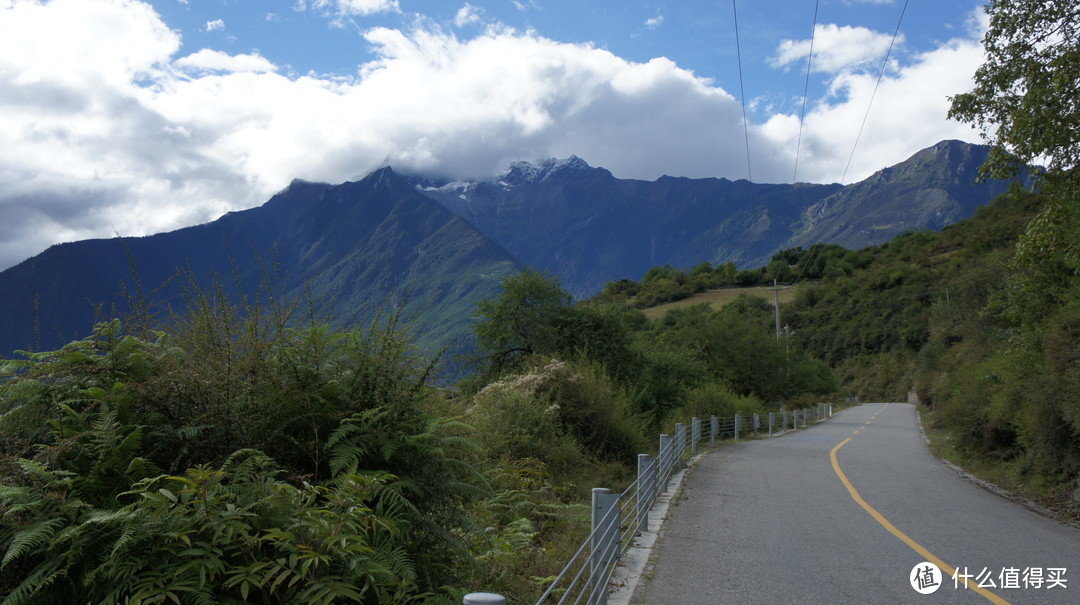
{"x":617,"y":518}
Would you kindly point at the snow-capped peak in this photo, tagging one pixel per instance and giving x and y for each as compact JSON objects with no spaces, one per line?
{"x":534,"y":172}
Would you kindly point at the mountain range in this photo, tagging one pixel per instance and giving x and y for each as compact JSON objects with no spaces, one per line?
{"x":433,"y":248}
{"x":366,"y":247}
{"x":588,"y":227}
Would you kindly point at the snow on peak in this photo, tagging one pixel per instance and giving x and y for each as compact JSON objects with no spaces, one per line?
{"x":534,"y":172}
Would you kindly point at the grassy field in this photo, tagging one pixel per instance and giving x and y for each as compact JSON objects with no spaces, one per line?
{"x":718,"y":298}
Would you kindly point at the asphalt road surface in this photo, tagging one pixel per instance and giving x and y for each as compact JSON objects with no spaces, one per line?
{"x":780,"y":521}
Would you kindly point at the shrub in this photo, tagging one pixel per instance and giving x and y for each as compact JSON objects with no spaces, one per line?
{"x":230,"y":534}
{"x":717,"y":399}
{"x":581,"y":402}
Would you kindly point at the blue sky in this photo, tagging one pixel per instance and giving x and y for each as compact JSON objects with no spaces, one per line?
{"x":138,"y":116}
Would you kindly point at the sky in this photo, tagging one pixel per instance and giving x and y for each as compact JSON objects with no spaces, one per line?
{"x":129,"y":117}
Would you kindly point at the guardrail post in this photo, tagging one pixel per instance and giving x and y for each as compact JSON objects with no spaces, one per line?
{"x":483,"y":598}
{"x":830,"y":410}
{"x":680,"y":444}
{"x":783,"y":425}
{"x":646,"y":466}
{"x":757,"y":424}
{"x":714,"y":429}
{"x":772,"y":418}
{"x":738,"y":425}
{"x":605,"y":541}
{"x":805,"y":420}
{"x":662,"y":463}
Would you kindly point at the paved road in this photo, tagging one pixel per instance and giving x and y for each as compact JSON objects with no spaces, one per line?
{"x":772,"y":521}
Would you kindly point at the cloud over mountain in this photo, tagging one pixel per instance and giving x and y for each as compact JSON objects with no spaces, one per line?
{"x":106,"y":126}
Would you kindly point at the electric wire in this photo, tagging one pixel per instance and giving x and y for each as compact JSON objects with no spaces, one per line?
{"x":884,"y":64}
{"x":806,"y":90}
{"x":858,"y":136}
{"x":742,"y":93}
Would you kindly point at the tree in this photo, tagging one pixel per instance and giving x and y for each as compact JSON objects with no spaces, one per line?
{"x":1026,"y":102}
{"x":523,"y":320}
{"x":1026,"y":99}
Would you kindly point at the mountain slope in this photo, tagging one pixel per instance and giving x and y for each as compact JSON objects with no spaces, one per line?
{"x":588,"y":227}
{"x":931,"y":189}
{"x":364,"y":245}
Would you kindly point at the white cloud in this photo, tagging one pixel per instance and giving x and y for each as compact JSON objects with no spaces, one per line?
{"x":215,"y":60}
{"x":907,"y":114}
{"x":103,"y":124}
{"x":467,"y":15}
{"x":215,"y":25}
{"x":654,"y":22}
{"x":367,"y":7}
{"x":349,"y":7}
{"x":836,"y":48}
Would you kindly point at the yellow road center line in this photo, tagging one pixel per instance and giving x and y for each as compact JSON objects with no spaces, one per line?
{"x":926,"y":554}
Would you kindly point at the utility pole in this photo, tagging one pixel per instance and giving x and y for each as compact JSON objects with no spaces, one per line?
{"x":776,"y":304}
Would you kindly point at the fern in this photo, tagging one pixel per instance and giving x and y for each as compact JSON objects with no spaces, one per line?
{"x":41,"y":578}
{"x":31,"y":538}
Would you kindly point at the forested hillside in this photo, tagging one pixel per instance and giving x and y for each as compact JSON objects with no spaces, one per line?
{"x":983,"y":332}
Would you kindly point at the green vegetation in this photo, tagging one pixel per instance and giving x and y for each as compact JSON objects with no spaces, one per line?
{"x":667,"y":284}
{"x":656,"y":364}
{"x":224,"y":462}
{"x":718,"y":299}
{"x":240,"y":454}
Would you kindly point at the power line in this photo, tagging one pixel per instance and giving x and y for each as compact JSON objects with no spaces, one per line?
{"x":806,"y":89}
{"x":742,"y":92}
{"x":858,"y":136}
{"x":872,"y":95}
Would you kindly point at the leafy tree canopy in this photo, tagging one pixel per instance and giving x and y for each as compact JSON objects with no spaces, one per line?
{"x":1026,"y":99}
